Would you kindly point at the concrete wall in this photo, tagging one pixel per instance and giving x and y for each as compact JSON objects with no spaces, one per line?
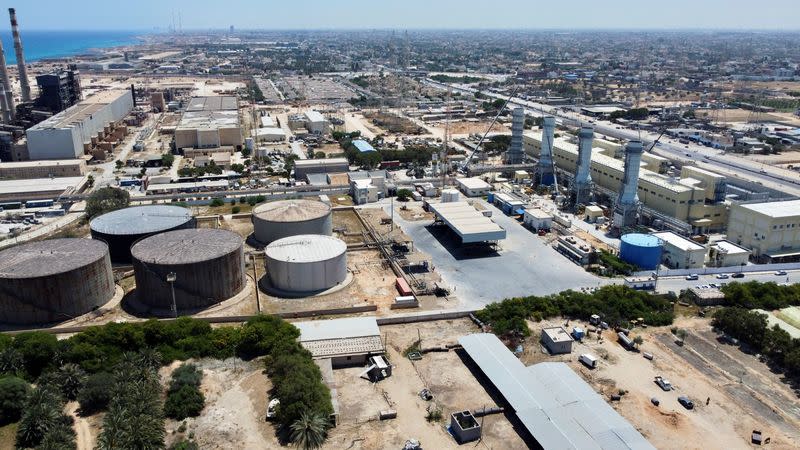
{"x":54,"y":143}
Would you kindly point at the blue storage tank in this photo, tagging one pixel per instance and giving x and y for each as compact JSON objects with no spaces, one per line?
{"x":490,"y":197}
{"x":642,"y":250}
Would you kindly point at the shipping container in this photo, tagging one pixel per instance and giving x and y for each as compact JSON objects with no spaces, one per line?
{"x":402,"y":287}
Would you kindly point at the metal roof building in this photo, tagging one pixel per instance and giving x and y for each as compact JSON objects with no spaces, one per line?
{"x":467,"y":222}
{"x":344,"y":340}
{"x":363,"y":146}
{"x":558,"y":408}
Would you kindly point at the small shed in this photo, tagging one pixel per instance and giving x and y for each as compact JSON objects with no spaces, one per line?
{"x":557,"y":340}
{"x":347,"y":342}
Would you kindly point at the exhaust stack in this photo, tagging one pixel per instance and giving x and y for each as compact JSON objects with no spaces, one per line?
{"x":25,"y":86}
{"x":628,"y":199}
{"x":545,"y":167}
{"x":515,"y":154}
{"x":583,"y":178}
{"x":7,"y":107}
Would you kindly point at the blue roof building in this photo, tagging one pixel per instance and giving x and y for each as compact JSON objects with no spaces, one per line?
{"x":363,"y":146}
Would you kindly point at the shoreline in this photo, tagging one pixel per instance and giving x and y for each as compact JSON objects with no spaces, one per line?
{"x":85,"y":43}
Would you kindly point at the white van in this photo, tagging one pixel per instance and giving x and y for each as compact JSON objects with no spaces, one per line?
{"x":589,"y":360}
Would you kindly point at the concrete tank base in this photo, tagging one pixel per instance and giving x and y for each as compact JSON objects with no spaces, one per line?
{"x":266,"y":287}
{"x":132,"y":305}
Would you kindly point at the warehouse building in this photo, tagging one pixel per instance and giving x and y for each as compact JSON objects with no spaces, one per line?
{"x":305,"y":167}
{"x":556,"y":340}
{"x":39,"y":188}
{"x":68,"y":133}
{"x":469,"y":224}
{"x":270,"y":134}
{"x":679,"y":252}
{"x":771,"y":229}
{"x":25,"y":170}
{"x":316,"y":122}
{"x":556,"y":408}
{"x":697,"y":197}
{"x":727,"y":254}
{"x":209,"y":122}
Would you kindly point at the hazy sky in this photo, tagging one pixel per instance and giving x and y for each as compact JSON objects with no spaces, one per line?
{"x":401,"y":14}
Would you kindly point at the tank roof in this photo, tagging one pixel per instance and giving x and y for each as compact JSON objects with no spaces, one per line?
{"x":641,"y":240}
{"x":306,"y":248}
{"x":141,"y":220}
{"x":53,"y":256}
{"x":186,"y":246}
{"x":291,"y":210}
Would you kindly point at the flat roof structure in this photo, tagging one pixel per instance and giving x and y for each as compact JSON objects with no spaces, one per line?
{"x":314,"y":116}
{"x":558,"y":408}
{"x":678,"y":241}
{"x":788,"y":208}
{"x":319,"y":162}
{"x":473,"y":183}
{"x":557,"y":334}
{"x":38,"y":187}
{"x":538,"y":213}
{"x":213,"y":103}
{"x":76,"y":114}
{"x":191,"y":185}
{"x":340,"y":337}
{"x":467,"y":222}
{"x":363,"y":146}
{"x":730,"y":248}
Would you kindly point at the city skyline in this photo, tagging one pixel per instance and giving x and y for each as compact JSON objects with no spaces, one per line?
{"x":413,"y":14}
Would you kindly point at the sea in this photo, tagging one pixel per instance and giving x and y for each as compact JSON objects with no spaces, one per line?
{"x":50,"y":44}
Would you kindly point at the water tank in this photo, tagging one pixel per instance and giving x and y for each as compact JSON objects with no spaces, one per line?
{"x":642,"y":250}
{"x":450,"y":195}
{"x":284,"y":218}
{"x":121,"y":228}
{"x":54,"y":280}
{"x":208,"y":265}
{"x":306,"y":263}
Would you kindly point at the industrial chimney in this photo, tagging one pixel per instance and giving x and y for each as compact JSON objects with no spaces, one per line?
{"x":628,"y":199}
{"x":583,"y":178}
{"x":25,"y":87}
{"x":515,"y":154}
{"x":7,"y":106}
{"x":545,"y":173}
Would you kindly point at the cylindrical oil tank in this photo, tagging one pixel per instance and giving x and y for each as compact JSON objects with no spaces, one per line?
{"x":120,"y":229}
{"x":284,"y":218}
{"x":642,"y":250}
{"x":306,"y":263}
{"x":54,"y":280}
{"x":207,"y":267}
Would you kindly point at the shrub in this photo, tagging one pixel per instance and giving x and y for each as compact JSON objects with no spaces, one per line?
{"x":14,"y":394}
{"x":217,"y":202}
{"x":96,"y":393}
{"x":184,"y":398}
{"x":236,"y":210}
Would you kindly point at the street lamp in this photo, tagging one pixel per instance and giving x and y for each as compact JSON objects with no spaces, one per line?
{"x":171,"y":277}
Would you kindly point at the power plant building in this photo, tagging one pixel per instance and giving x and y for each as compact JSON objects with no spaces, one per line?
{"x":25,"y":170}
{"x":120,"y":229}
{"x":771,"y":229}
{"x":306,"y":263}
{"x":53,"y":280}
{"x":694,"y":198}
{"x":66,"y":134}
{"x":58,"y":90}
{"x":284,"y":218}
{"x":201,"y":266}
{"x":209,"y":122}
{"x":679,"y":252}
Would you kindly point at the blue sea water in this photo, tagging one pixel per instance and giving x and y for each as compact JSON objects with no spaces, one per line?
{"x":50,"y":44}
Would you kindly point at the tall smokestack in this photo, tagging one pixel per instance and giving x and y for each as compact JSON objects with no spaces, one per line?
{"x":7,"y":106}
{"x":628,"y":199}
{"x":583,"y":178}
{"x":545,"y":167}
{"x":5,"y":117}
{"x":514,"y":154}
{"x":25,"y":87}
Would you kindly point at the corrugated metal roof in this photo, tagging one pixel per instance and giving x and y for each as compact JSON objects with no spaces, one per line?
{"x":467,"y":222}
{"x":554,"y":404}
{"x":141,"y":219}
{"x":363,"y":146}
{"x":340,"y":337}
{"x":305,"y":248}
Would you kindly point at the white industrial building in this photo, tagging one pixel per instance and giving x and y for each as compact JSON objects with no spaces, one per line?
{"x":473,"y":187}
{"x":270,"y":134}
{"x":66,"y":134}
{"x":557,"y":340}
{"x":209,"y":122}
{"x":536,"y":219}
{"x":727,"y":254}
{"x":679,"y":252}
{"x":316,"y":123}
{"x":469,"y":224}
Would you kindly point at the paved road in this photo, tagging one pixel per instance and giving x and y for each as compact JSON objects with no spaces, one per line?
{"x":676,"y":284}
{"x":524,"y":265}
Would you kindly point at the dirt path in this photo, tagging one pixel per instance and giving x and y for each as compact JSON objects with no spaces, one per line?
{"x":84,"y":437}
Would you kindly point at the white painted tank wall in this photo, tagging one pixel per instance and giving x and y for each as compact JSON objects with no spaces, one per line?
{"x":267,"y":231}
{"x":307,"y":277}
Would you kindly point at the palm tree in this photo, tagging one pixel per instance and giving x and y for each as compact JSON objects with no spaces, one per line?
{"x":309,"y":431}
{"x":72,"y":380}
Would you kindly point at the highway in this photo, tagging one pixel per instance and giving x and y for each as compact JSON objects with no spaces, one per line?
{"x":776,"y":178}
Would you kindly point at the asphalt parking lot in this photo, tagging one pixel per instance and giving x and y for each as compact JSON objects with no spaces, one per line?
{"x":523,"y":265}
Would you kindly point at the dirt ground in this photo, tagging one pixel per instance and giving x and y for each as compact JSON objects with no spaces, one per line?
{"x":235,"y":408}
{"x":86,"y":428}
{"x":725,"y":423}
{"x":413,"y":211}
{"x":475,"y":127}
{"x":443,"y":373}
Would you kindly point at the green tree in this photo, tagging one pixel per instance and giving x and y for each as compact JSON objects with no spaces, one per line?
{"x":320,"y":155}
{"x":105,"y":200}
{"x":288,"y":163}
{"x":14,"y":393}
{"x":96,"y":393}
{"x":217,"y":202}
{"x":37,"y":349}
{"x":403,"y":195}
{"x":238,"y":168}
{"x":167,"y":159}
{"x":118,"y":164}
{"x":309,"y":431}
{"x":41,"y":416}
{"x":72,"y":379}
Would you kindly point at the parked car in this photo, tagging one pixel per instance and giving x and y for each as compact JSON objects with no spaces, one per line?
{"x":688,"y":404}
{"x":272,"y":407}
{"x":738,"y":275}
{"x":692,"y":277}
{"x":663,"y":383}
{"x":722,"y":276}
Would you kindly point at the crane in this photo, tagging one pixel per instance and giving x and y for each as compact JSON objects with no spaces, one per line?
{"x":480,"y":142}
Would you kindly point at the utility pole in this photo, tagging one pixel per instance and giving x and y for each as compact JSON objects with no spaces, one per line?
{"x":255,"y":280}
{"x":171,"y":277}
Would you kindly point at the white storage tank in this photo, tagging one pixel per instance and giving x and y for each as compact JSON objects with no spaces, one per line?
{"x":306,"y":263}
{"x":284,"y":218}
{"x":450,"y":195}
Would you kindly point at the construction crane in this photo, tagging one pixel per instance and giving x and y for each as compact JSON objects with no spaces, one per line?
{"x":480,"y":142}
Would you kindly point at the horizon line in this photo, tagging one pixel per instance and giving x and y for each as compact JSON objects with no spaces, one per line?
{"x":351,"y":29}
